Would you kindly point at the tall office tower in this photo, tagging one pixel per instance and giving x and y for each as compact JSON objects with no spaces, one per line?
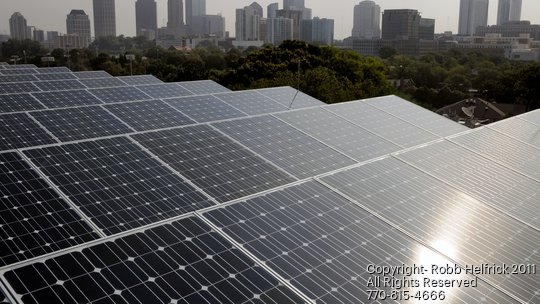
{"x":146,"y":18}
{"x":194,"y":8}
{"x":78,"y":23}
{"x":317,"y":30}
{"x":472,"y":14}
{"x":426,"y":29}
{"x":247,"y":24}
{"x":367,"y":20}
{"x":271,"y":10}
{"x":17,"y":27}
{"x":509,"y":10}
{"x":104,"y":18}
{"x":258,"y":9}
{"x":400,"y":24}
{"x":294,"y":4}
{"x":279,"y":29}
{"x":39,"y":35}
{"x":208,"y":25}
{"x":175,"y":22}
{"x":296,"y":16}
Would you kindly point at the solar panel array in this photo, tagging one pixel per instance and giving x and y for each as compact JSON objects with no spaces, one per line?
{"x":128,"y":190}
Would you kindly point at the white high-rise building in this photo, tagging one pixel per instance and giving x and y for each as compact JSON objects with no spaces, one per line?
{"x":247,"y":24}
{"x":175,"y":21}
{"x":17,"y":27}
{"x":509,"y":10}
{"x":279,"y":29}
{"x":472,"y":14}
{"x":317,"y":30}
{"x":367,"y":20}
{"x":271,"y":10}
{"x":294,"y":4}
{"x":78,"y":23}
{"x":104,"y":18}
{"x":194,"y":8}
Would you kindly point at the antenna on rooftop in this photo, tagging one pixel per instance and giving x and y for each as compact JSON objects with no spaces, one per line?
{"x":298,"y":85}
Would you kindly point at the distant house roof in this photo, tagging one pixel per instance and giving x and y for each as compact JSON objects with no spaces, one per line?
{"x":481,"y":110}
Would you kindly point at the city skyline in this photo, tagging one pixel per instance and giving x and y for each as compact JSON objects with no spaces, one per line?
{"x":447,"y":18}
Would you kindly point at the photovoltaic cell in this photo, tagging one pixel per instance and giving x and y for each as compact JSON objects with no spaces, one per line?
{"x":17,"y":78}
{"x":216,"y":164}
{"x":532,"y":117}
{"x":119,"y":94}
{"x":19,"y":131}
{"x":59,"y":85}
{"x":181,"y":262}
{"x":92,"y":74}
{"x":283,"y":145}
{"x":323,"y":244}
{"x":80,"y":123}
{"x":522,"y":130}
{"x":117,"y":184}
{"x":164,"y":90}
{"x":34,"y":219}
{"x":251,"y":102}
{"x":56,"y":76}
{"x":54,"y":70}
{"x":340,"y":134}
{"x":18,"y":71}
{"x":203,"y":87}
{"x":149,"y":115}
{"x":18,"y":87}
{"x":383,"y":124}
{"x":20,"y":66}
{"x":62,"y":99}
{"x":102,"y":82}
{"x":204,"y":108}
{"x":462,"y":228}
{"x":3,"y":298}
{"x":286,"y":95}
{"x":140,"y":79}
{"x":18,"y":102}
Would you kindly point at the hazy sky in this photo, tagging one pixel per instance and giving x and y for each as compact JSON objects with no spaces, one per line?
{"x":51,"y":14}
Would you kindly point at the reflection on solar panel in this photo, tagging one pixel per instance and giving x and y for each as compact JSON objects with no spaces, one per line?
{"x":437,"y":214}
{"x":323,"y":244}
{"x":164,"y":90}
{"x":204,"y":108}
{"x":19,"y":130}
{"x":80,"y":123}
{"x":181,"y":262}
{"x":290,"y":149}
{"x":34,"y":219}
{"x":251,"y":102}
{"x":522,"y":130}
{"x":383,"y":124}
{"x":149,"y":115}
{"x":340,"y":134}
{"x":216,"y":164}
{"x":18,"y":87}
{"x":61,"y":99}
{"x":140,"y":79}
{"x":102,"y":82}
{"x":55,"y":70}
{"x":119,"y":94}
{"x":92,"y":74}
{"x":18,"y":102}
{"x":286,"y":95}
{"x":59,"y":85}
{"x":17,"y":78}
{"x":203,"y":87}
{"x":55,"y":76}
{"x":116,"y":184}
{"x":18,"y":71}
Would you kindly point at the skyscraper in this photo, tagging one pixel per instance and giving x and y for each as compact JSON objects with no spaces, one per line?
{"x":195,"y":8}
{"x":294,"y":4}
{"x":271,"y":10}
{"x":17,"y":26}
{"x":400,"y":24}
{"x":367,"y":20}
{"x":509,"y":10}
{"x":258,"y":9}
{"x":175,"y":10}
{"x":318,"y":30}
{"x":78,"y":23}
{"x":247,"y":24}
{"x":472,"y":14}
{"x":104,"y":18}
{"x":146,"y":18}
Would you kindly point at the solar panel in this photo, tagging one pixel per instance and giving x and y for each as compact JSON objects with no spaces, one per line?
{"x":51,"y":70}
{"x":61,"y":99}
{"x":149,"y":115}
{"x":19,"y":131}
{"x":417,"y":115}
{"x":18,"y":87}
{"x":17,"y":78}
{"x":502,"y":149}
{"x":116,"y":184}
{"x":519,"y":129}
{"x":203,"y":87}
{"x":59,"y":85}
{"x":102,"y":82}
{"x":323,"y":244}
{"x":34,"y":219}
{"x":20,"y":66}
{"x":288,"y":148}
{"x":18,"y":102}
{"x":339,"y":134}
{"x":180,"y":262}
{"x":18,"y":71}
{"x":3,"y":297}
{"x":462,"y":228}
{"x":532,"y":117}
{"x":140,"y":79}
{"x":80,"y":123}
{"x":119,"y":94}
{"x":92,"y":74}
{"x":290,"y":98}
{"x":251,"y":102}
{"x":383,"y":124}
{"x":204,"y":108}
{"x":164,"y":90}
{"x":481,"y":178}
{"x":55,"y":76}
{"x":213,"y":162}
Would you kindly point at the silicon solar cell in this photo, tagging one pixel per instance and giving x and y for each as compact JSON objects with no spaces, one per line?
{"x":55,"y":70}
{"x":297,"y":153}
{"x":20,"y":66}
{"x":80,"y":123}
{"x":140,"y":79}
{"x":522,"y":130}
{"x":203,"y":87}
{"x":117,"y":184}
{"x":102,"y":82}
{"x":17,"y":78}
{"x":251,"y":102}
{"x":119,"y":94}
{"x":34,"y":219}
{"x":61,"y":99}
{"x":290,"y":98}
{"x":59,"y":85}
{"x":149,"y":115}
{"x":18,"y":102}
{"x":18,"y":87}
{"x":204,"y":108}
{"x":92,"y":74}
{"x":164,"y":90}
{"x":19,"y":130}
{"x":55,"y":76}
{"x":219,"y":166}
{"x":532,"y":117}
{"x":3,"y":298}
{"x":18,"y":71}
